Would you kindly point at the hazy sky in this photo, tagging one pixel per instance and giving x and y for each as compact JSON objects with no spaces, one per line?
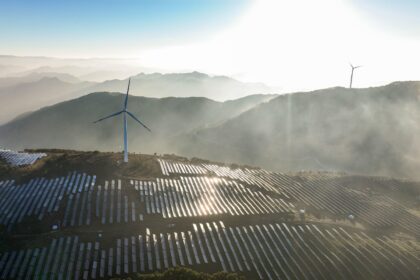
{"x":292,"y":44}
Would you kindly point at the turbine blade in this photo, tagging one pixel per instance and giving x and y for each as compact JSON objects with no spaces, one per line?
{"x":126,"y":96}
{"x":136,"y":119}
{"x":107,"y":117}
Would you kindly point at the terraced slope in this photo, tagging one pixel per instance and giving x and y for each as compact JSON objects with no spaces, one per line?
{"x":81,"y":224}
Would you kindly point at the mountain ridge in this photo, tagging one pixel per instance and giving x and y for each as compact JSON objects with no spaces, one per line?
{"x":314,"y":124}
{"x":27,"y":97}
{"x":369,"y":131}
{"x":167,"y":116}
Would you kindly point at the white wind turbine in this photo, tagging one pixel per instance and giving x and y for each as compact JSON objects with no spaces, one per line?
{"x":351,"y":76}
{"x":125,"y":112}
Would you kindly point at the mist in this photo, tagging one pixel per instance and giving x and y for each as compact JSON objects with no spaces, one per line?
{"x":365,"y":131}
{"x":56,"y":80}
{"x":167,"y":117}
{"x":370,"y":131}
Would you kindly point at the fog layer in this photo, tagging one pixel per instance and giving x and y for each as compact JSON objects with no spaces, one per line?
{"x":370,"y":131}
{"x":20,"y":94}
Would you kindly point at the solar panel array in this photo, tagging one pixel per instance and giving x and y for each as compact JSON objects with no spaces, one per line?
{"x":77,"y":200}
{"x":329,"y":195}
{"x":204,"y":196}
{"x":171,"y":167}
{"x":20,"y":158}
{"x":266,"y":251}
{"x":39,"y":197}
{"x":207,"y":217}
{"x":114,"y":204}
{"x":320,"y":193}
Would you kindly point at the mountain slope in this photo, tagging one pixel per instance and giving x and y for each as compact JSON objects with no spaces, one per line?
{"x":28,"y":96}
{"x":38,"y":89}
{"x":33,"y":77}
{"x":70,"y":124}
{"x":373,"y":131}
{"x":184,"y":85}
{"x":73,"y":208}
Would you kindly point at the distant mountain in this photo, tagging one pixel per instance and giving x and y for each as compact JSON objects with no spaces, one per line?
{"x":70,"y":124}
{"x":196,"y":84}
{"x":370,"y":131}
{"x":28,"y":96}
{"x":65,"y":69}
{"x":6,"y":70}
{"x":92,"y":69}
{"x":38,"y":88}
{"x":35,"y":76}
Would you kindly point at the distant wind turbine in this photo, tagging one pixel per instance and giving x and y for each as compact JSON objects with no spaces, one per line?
{"x":125,"y":112}
{"x":352,"y":70}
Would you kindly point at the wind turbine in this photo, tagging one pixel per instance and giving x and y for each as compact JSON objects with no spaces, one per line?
{"x":124,"y":111}
{"x":352,"y":70}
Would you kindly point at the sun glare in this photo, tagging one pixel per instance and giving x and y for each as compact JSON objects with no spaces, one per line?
{"x":279,"y":42}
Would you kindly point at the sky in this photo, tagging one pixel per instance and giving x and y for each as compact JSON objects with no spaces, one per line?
{"x":290,"y":44}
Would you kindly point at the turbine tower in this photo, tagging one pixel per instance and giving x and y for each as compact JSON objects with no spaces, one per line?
{"x":352,"y":70}
{"x":125,"y":112}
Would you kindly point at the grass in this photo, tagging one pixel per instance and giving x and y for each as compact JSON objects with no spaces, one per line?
{"x":180,"y":273}
{"x":104,"y":165}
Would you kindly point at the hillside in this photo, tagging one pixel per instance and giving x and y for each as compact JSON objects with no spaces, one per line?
{"x":370,"y":131}
{"x":86,"y":215}
{"x":93,"y":69}
{"x":33,"y":77}
{"x":166,"y":116}
{"x":365,"y":131}
{"x":195,"y":84}
{"x":42,"y":87}
{"x":36,"y":91}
